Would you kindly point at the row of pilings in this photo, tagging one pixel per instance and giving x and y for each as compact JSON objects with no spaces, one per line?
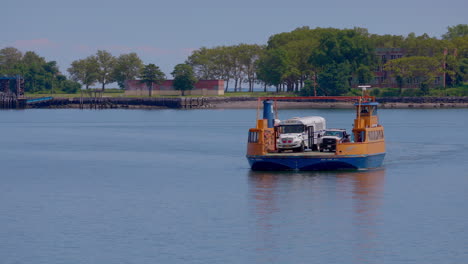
{"x":123,"y":102}
{"x":10,"y":101}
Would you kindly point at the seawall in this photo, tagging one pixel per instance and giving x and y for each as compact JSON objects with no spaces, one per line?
{"x":240,"y":103}
{"x":385,"y":102}
{"x":122,"y":102}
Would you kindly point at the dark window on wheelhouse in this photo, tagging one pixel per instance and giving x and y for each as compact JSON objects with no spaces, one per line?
{"x":253,"y":137}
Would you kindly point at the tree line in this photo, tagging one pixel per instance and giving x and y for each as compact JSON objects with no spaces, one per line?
{"x":329,"y":61}
{"x":319,"y":61}
{"x":101,"y":68}
{"x":39,"y":75}
{"x":104,"y":68}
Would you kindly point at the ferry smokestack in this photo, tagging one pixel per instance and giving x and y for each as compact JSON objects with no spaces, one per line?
{"x":269,"y":113}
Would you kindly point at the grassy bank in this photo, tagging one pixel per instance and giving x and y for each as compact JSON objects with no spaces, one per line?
{"x":414,"y":92}
{"x":84,"y":93}
{"x":378,"y":92}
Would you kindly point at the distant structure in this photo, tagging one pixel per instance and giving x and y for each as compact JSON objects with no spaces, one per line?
{"x":202,"y":87}
{"x":385,"y":79}
{"x":12,"y":92}
{"x":12,"y":85}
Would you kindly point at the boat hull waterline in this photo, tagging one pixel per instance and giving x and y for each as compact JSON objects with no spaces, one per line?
{"x":316,"y":163}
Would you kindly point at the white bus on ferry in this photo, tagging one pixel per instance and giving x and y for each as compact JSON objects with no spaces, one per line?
{"x":300,"y":133}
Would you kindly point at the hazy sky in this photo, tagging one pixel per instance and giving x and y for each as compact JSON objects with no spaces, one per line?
{"x":165,"y":32}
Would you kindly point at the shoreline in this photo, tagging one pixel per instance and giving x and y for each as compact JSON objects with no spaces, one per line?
{"x":339,"y":105}
{"x":243,"y":103}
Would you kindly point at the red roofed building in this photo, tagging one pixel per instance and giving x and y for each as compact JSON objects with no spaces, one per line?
{"x":202,"y":87}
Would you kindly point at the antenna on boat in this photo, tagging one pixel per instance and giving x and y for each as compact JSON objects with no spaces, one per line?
{"x":364,"y":88}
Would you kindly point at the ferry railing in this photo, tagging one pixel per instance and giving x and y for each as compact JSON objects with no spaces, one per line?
{"x":359,"y":99}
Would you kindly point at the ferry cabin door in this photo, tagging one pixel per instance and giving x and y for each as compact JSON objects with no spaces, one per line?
{"x":310,"y":137}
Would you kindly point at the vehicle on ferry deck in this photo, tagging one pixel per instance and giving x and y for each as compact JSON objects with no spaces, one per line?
{"x":300,"y":133}
{"x":331,"y":137}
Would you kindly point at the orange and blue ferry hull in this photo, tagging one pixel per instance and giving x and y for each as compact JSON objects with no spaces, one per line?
{"x":315,"y":163}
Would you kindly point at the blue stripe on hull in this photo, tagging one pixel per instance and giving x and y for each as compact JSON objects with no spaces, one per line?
{"x":316,"y":163}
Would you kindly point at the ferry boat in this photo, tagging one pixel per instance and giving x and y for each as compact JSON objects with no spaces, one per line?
{"x":365,"y":149}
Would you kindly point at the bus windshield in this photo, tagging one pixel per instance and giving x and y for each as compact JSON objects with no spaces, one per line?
{"x":292,"y":129}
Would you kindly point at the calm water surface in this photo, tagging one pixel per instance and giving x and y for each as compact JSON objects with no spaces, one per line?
{"x":167,"y":186}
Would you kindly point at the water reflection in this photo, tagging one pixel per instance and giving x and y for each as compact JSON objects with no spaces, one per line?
{"x":264,"y":197}
{"x":367,"y":194}
{"x":278,"y":198}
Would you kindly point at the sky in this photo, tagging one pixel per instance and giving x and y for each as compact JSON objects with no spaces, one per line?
{"x":166,"y":32}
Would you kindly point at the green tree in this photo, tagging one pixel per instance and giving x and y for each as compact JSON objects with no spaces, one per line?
{"x":204,"y":62}
{"x":127,"y":67}
{"x":30,"y":57}
{"x":386,"y":41}
{"x":297,"y":45}
{"x":300,"y":69}
{"x":457,"y":60}
{"x":333,"y":80}
{"x":69,"y":86}
{"x":84,"y":71}
{"x":422,"y":69}
{"x":51,"y":67}
{"x":225,"y":59}
{"x":151,"y":74}
{"x":215,"y":63}
{"x":10,"y":57}
{"x":461,"y":46}
{"x":39,"y":75}
{"x":463,"y":69}
{"x":31,"y":69}
{"x":236,"y":69}
{"x":364,"y":74}
{"x":106,"y":64}
{"x":272,"y":66}
{"x":423,"y":45}
{"x":460,"y":30}
{"x":308,"y":89}
{"x":346,"y":53}
{"x":184,"y":78}
{"x":248,"y":56}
